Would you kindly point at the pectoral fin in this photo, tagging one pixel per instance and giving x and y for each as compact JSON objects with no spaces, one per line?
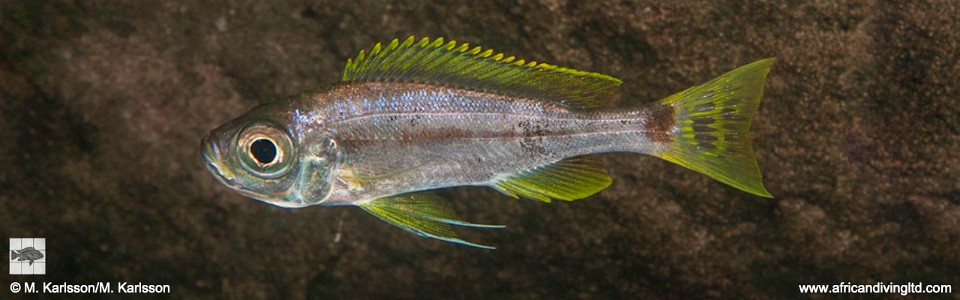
{"x":569,"y":179}
{"x":423,"y":213}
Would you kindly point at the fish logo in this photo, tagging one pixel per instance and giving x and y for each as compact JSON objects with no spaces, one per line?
{"x":28,"y":253}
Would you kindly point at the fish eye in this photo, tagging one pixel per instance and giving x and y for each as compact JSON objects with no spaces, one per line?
{"x":265,"y":150}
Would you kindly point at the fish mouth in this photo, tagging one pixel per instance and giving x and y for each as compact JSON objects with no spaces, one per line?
{"x":211,"y":157}
{"x":209,"y":150}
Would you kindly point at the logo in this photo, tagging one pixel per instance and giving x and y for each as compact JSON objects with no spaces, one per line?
{"x":28,"y":256}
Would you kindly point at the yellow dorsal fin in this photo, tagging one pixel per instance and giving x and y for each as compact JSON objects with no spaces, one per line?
{"x":569,"y":179}
{"x":423,"y":213}
{"x":458,"y":65}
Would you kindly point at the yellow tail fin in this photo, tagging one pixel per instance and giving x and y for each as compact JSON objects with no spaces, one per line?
{"x":712,"y":121}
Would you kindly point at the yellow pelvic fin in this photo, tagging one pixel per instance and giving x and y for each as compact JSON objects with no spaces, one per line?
{"x":569,"y":179}
{"x":458,"y":65}
{"x":711,"y":125}
{"x":423,"y":213}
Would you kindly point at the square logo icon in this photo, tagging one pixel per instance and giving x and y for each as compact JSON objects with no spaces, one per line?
{"x":28,"y":256}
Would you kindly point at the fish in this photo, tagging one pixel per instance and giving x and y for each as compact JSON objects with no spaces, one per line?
{"x":414,"y":116}
{"x":28,"y":253}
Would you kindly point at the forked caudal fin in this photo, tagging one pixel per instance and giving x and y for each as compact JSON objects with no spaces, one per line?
{"x":708,"y":132}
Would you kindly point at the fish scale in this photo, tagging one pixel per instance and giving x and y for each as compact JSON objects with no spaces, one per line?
{"x":492,"y":121}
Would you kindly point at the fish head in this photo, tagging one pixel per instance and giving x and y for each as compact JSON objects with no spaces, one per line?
{"x":266,"y":155}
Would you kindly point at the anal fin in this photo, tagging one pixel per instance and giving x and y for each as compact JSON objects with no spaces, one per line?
{"x":569,"y":179}
{"x":423,"y":213}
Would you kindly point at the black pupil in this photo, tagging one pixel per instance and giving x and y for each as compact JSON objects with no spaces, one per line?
{"x":263,"y":150}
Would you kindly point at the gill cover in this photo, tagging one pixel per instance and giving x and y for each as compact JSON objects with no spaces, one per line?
{"x":320,"y":155}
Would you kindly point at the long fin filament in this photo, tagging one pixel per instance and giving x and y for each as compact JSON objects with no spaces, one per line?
{"x":422,"y":213}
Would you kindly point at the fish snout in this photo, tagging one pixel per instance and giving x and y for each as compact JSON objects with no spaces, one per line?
{"x":211,"y":156}
{"x":209,"y":150}
{"x":213,"y":160}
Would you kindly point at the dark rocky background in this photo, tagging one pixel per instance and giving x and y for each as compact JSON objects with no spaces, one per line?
{"x":104,"y":103}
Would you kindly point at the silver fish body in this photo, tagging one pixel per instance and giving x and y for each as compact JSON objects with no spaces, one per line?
{"x":395,"y":138}
{"x":417,"y":116}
